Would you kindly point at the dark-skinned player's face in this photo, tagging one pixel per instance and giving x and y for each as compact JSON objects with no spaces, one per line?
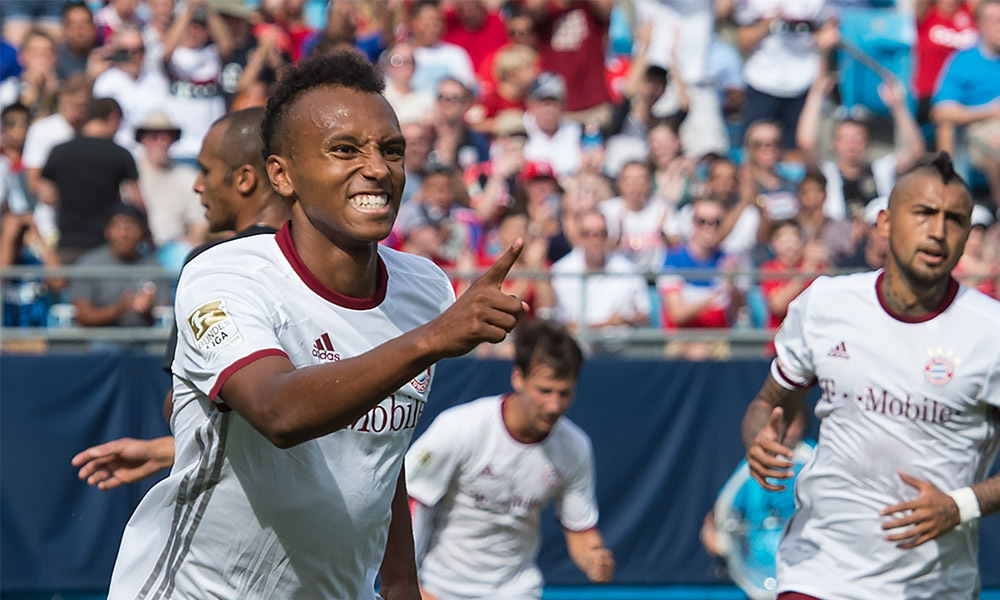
{"x":341,"y":160}
{"x":927,"y":227}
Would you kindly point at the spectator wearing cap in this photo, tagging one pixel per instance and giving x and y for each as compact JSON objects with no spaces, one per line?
{"x":874,"y":245}
{"x":540,"y":195}
{"x":596,"y":287}
{"x":514,"y":72}
{"x":979,"y":266}
{"x":572,"y":35}
{"x":85,"y":176}
{"x":434,"y":58}
{"x":551,"y":136}
{"x":410,"y":104}
{"x":639,"y":224}
{"x":176,"y":217}
{"x":79,"y":39}
{"x":195,"y":49}
{"x":118,"y":301}
{"x":455,"y":144}
{"x":491,"y":184}
{"x":139,"y":90}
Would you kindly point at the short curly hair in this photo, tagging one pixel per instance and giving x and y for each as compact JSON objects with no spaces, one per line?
{"x":345,"y":68}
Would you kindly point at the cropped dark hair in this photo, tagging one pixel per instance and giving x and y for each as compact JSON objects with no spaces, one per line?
{"x":101,"y":109}
{"x":345,"y":68}
{"x":540,"y":342}
{"x":816,"y":176}
{"x":941,"y":166}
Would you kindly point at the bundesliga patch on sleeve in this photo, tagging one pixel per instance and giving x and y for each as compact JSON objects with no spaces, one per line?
{"x":213,"y":328}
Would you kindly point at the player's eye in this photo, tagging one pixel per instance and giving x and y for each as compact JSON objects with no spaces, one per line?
{"x":344,"y":149}
{"x":394,"y":152}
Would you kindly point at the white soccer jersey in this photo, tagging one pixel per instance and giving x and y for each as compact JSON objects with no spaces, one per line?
{"x":913,"y":394}
{"x":488,"y":491}
{"x":239,"y":517}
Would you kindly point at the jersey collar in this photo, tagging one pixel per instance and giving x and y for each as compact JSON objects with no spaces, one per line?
{"x":284,"y":239}
{"x":949,"y":297}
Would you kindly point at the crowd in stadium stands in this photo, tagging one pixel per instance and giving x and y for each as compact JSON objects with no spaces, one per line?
{"x":635,"y":138}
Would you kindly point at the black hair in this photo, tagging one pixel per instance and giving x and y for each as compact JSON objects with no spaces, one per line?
{"x":540,"y":342}
{"x":15,"y":107}
{"x":131,"y":211}
{"x":777,"y":225}
{"x":74,"y":4}
{"x":345,"y":68}
{"x":814,"y":175}
{"x":101,"y":109}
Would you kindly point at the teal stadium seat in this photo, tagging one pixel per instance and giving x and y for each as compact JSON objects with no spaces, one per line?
{"x":885,"y":35}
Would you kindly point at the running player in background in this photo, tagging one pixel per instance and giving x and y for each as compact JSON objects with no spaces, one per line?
{"x":237,"y":196}
{"x":303,"y":364}
{"x":908,"y":361}
{"x":482,"y":473}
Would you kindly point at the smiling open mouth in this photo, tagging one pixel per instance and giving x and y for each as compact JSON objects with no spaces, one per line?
{"x":370,"y":201}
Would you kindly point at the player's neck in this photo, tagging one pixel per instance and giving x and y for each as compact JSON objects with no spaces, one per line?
{"x":516,"y":424}
{"x":349,"y":270}
{"x":907,"y":297}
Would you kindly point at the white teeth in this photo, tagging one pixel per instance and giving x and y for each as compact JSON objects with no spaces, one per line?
{"x":371,"y":200}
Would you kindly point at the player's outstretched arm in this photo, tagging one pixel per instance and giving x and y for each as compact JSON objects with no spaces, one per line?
{"x":290,"y":406}
{"x":934,"y":512}
{"x":763,"y":429}
{"x":399,"y":569}
{"x":123,"y":461}
{"x":590,"y":555}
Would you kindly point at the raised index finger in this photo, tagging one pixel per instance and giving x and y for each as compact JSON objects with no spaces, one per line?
{"x":498,"y":272}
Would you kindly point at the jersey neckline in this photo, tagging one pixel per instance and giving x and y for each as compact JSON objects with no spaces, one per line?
{"x":949,"y":297}
{"x":510,"y":434}
{"x":284,"y":240}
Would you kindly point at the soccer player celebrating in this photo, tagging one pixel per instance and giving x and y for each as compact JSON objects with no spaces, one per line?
{"x":908,"y":361}
{"x":304,"y":360}
{"x":482,"y":473}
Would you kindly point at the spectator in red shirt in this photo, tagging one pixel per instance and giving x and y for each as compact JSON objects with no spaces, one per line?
{"x":520,"y":28}
{"x":514,"y":72}
{"x":475,"y":27}
{"x":943,"y":26}
{"x":793,"y":254}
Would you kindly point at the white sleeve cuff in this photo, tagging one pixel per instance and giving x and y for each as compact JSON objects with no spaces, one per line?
{"x":968,"y":504}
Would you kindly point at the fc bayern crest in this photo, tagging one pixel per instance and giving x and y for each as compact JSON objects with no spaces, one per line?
{"x":939,"y":370}
{"x":422,"y":382}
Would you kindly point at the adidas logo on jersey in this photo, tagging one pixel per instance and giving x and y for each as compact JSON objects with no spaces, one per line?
{"x":323,"y":348}
{"x":839,"y":351}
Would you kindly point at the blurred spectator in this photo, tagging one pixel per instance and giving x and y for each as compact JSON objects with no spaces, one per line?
{"x":968,"y":95}
{"x":289,"y":16}
{"x":47,"y":133}
{"x":979,"y":266}
{"x":418,"y":147}
{"x":154,"y":32}
{"x":572,"y":35}
{"x":552,"y":137}
{"x":739,"y":231}
{"x":117,"y":301}
{"x":435,"y":59}
{"x":853,"y":181}
{"x":176,"y":217}
{"x":700,"y":301}
{"x":638,"y":224}
{"x":138,"y":90}
{"x":454,"y":143}
{"x":436,"y":225}
{"x":514,"y":71}
{"x":491,"y":184}
{"x":611,"y":295}
{"x":681,"y":33}
{"x":943,"y":26}
{"x":773,"y":192}
{"x":254,"y":62}
{"x":474,"y":26}
{"x":115,"y":14}
{"x":588,"y":187}
{"x":79,"y":39}
{"x":874,"y":246}
{"x":15,"y":196}
{"x":793,"y":254}
{"x":672,"y":173}
{"x":520,"y":29}
{"x":341,"y":29}
{"x":20,"y":17}
{"x":538,"y":193}
{"x":197,"y":45}
{"x":38,"y":80}
{"x":10,"y":72}
{"x":724,"y":73}
{"x":838,"y":236}
{"x":782,"y":41}
{"x":86,"y":174}
{"x":409,"y":104}
{"x":26,"y":300}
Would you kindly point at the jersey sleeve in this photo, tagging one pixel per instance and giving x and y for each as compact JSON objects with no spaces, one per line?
{"x":434,"y":459}
{"x":793,"y":367}
{"x":226,"y":320}
{"x":576,"y":507}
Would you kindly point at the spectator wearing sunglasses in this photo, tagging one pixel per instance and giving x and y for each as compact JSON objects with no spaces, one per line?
{"x":410,"y":104}
{"x":455,"y":144}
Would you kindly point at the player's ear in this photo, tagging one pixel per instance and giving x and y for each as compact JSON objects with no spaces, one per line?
{"x":246,"y":179}
{"x":278,"y":172}
{"x":517,"y":379}
{"x":882,"y":222}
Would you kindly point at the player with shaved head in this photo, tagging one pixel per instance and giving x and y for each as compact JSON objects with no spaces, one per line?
{"x":304,"y":361}
{"x":908,"y":362}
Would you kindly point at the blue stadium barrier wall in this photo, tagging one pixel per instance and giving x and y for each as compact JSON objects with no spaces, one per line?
{"x":666,"y":437}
